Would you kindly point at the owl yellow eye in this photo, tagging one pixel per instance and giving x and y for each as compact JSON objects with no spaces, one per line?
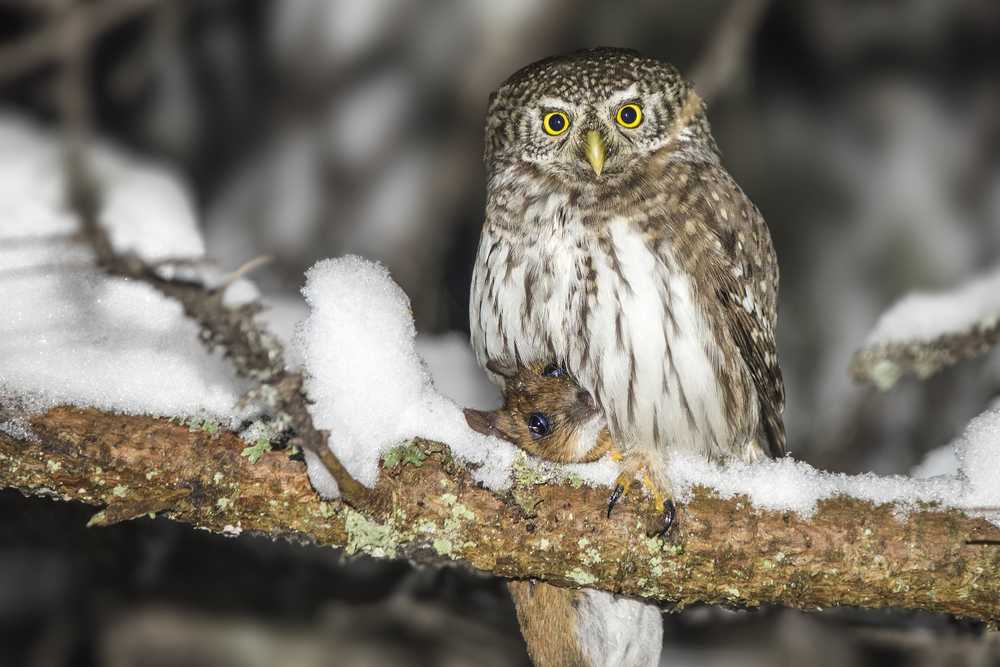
{"x":629,"y":115}
{"x":555,"y":123}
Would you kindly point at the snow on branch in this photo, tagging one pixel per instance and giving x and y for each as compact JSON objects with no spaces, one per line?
{"x":847,"y":552}
{"x":925,"y":333}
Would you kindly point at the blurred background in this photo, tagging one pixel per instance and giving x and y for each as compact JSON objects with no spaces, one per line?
{"x":868,"y":133}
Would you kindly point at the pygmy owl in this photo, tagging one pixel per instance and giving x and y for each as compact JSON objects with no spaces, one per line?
{"x":617,"y":247}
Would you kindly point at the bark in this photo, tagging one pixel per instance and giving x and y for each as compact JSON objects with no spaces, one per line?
{"x":884,"y":364}
{"x":427,"y":509}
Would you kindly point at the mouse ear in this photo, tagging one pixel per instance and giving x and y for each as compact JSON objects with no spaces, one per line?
{"x":501,"y":368}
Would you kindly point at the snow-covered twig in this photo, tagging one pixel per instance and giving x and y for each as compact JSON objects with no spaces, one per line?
{"x":722,"y":551}
{"x":925,"y":333}
{"x":254,"y":352}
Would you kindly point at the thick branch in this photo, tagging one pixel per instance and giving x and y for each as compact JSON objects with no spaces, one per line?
{"x":849,"y":553}
{"x":883,"y":364}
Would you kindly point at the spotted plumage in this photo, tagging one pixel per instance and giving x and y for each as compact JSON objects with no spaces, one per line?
{"x":629,"y":257}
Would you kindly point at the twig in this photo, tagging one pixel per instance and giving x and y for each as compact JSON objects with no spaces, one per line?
{"x":246,"y":268}
{"x":46,"y":45}
{"x":850,"y":552}
{"x":723,"y":58}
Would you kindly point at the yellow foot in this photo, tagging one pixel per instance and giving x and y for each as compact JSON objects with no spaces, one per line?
{"x":661,"y":500}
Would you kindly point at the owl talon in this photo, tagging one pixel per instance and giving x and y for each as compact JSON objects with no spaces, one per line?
{"x":622,"y":485}
{"x":615,"y":497}
{"x":666,"y":522}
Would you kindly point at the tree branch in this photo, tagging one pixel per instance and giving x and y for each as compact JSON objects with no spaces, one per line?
{"x":47,"y":45}
{"x":721,"y":552}
{"x":883,"y":364}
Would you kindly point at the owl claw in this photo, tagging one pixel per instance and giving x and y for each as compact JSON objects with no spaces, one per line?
{"x":615,"y":497}
{"x":667,"y":517}
{"x":661,"y":502}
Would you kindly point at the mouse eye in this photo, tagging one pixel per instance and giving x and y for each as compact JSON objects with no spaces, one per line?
{"x":539,"y":424}
{"x":553,"y":371}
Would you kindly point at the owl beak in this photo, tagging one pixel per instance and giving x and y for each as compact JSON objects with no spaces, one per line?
{"x":595,"y":150}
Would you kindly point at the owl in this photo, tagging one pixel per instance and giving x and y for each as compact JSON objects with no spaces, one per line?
{"x":617,"y":247}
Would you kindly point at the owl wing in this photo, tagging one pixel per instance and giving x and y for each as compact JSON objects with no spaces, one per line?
{"x":754,"y":337}
{"x":747,"y":289}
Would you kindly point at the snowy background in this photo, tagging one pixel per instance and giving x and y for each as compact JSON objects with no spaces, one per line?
{"x":867,"y":133}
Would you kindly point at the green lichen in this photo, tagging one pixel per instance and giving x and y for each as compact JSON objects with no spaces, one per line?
{"x":885,"y":374}
{"x":581,"y":577}
{"x":325,"y":510}
{"x":443,"y":546}
{"x":257,"y":450}
{"x":591,"y":556}
{"x":527,"y":472}
{"x":408,"y":454}
{"x":574,"y":480}
{"x":460,"y":511}
{"x":119,"y":491}
{"x":203,"y":424}
{"x":260,"y":435}
{"x":449,"y":534}
{"x":366,"y":536}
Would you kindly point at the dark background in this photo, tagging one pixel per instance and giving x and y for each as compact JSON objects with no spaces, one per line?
{"x":866,"y":131}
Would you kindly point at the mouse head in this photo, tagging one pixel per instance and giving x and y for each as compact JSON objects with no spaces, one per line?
{"x":545,"y":413}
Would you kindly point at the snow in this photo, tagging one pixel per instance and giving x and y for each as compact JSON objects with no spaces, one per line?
{"x":789,"y":485}
{"x":145,"y":209}
{"x":978,"y":453}
{"x":72,"y":335}
{"x":926,"y":316}
{"x":370,"y":388}
{"x":240,"y":292}
{"x":448,"y":356}
{"x":940,"y":461}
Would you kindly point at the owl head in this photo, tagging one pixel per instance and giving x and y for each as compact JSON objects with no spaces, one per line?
{"x":598,"y":115}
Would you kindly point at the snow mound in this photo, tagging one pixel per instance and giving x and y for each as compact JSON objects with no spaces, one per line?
{"x":370,"y":389}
